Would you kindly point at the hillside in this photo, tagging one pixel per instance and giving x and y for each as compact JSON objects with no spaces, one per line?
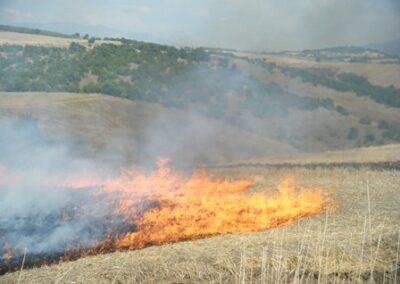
{"x":12,"y":38}
{"x":391,"y":47}
{"x":122,"y":131}
{"x":307,"y":104}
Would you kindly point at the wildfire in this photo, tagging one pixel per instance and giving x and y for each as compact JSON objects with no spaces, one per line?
{"x":196,"y":207}
{"x":164,"y":206}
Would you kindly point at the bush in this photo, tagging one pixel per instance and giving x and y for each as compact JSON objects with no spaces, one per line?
{"x":369,"y":138}
{"x":352,"y":134}
{"x":342,"y":110}
{"x":76,"y":47}
{"x":383,"y":124}
{"x":365,"y":120}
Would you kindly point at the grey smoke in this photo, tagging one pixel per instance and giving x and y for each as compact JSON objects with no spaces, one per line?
{"x":30,"y":207}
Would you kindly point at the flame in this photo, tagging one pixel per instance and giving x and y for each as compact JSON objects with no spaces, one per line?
{"x":165,"y":206}
{"x":201,"y":207}
{"x":198,"y":206}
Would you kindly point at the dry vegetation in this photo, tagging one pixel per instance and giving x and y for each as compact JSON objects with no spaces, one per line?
{"x":357,"y":243}
{"x":42,"y":40}
{"x":383,"y":74}
{"x":125,"y":127}
{"x":356,"y":106}
{"x":372,"y":154}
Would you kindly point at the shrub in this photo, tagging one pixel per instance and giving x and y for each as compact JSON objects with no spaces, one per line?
{"x":383,"y":124}
{"x":352,"y":134}
{"x":341,"y":110}
{"x":369,"y":138}
{"x":365,"y":120}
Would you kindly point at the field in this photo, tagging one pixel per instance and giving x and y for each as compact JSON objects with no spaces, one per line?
{"x":357,"y":242}
{"x":384,"y":74}
{"x":42,"y":40}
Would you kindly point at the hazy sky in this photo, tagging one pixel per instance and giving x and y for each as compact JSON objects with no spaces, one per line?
{"x":251,"y":24}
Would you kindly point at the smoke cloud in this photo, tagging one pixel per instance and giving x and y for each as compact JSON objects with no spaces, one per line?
{"x":30,"y":207}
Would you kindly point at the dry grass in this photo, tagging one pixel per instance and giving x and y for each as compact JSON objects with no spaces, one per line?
{"x":47,"y":41}
{"x":357,"y":106}
{"x":382,"y":74}
{"x":116,"y":124}
{"x":372,"y":154}
{"x":357,"y":243}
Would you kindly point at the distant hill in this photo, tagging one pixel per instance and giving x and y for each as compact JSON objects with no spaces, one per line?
{"x":97,"y":31}
{"x":390,"y":47}
{"x":35,"y":31}
{"x":346,"y":54}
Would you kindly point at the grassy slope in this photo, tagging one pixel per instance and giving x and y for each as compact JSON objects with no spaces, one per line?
{"x":383,"y":74}
{"x":355,"y":105}
{"x":124,"y":127}
{"x":332,"y":135}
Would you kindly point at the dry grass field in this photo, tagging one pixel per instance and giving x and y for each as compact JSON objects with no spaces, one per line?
{"x":357,"y":106}
{"x":382,"y":74}
{"x":358,"y":242}
{"x":42,"y":40}
{"x":372,"y":154}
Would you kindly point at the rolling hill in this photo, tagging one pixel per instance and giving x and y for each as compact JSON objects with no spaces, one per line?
{"x":119,"y":130}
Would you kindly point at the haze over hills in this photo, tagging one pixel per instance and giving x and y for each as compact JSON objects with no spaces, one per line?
{"x":390,"y":47}
{"x":114,"y":130}
{"x":319,"y":100}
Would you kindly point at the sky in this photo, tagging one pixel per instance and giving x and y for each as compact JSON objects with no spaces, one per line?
{"x":260,"y":25}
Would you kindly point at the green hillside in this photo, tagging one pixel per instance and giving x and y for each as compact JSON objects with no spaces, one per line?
{"x":214,"y":83}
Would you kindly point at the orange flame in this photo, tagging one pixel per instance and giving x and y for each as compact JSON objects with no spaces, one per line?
{"x":201,"y":207}
{"x":195,"y":207}
{"x":166,"y":207}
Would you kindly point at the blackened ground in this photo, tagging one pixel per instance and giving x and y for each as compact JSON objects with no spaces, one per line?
{"x":97,"y":230}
